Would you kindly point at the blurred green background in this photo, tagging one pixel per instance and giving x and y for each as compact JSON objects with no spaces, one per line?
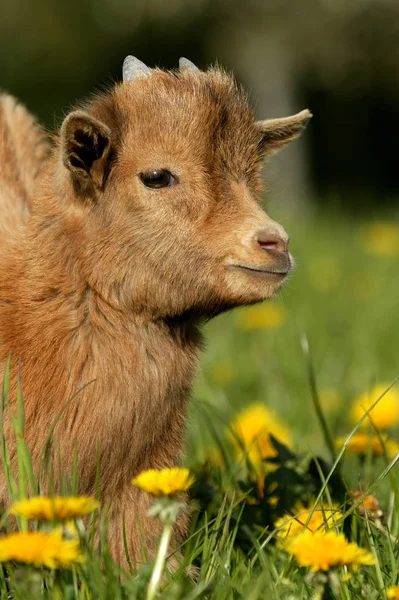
{"x":335,"y":190}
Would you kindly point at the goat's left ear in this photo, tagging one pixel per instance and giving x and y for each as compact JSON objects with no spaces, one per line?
{"x":86,"y":145}
{"x":276,"y":133}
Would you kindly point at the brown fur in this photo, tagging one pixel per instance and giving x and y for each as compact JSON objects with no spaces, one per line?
{"x":22,"y":158}
{"x":108,"y":280}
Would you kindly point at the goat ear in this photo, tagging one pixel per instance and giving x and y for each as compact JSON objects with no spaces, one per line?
{"x":276,"y":133}
{"x":86,"y":144}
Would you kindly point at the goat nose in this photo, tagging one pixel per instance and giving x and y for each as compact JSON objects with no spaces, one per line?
{"x":270,"y":240}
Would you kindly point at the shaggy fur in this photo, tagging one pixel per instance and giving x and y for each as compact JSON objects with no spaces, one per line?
{"x":107,"y":280}
{"x":22,"y":152}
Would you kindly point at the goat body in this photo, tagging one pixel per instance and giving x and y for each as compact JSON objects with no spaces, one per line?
{"x":144,"y":220}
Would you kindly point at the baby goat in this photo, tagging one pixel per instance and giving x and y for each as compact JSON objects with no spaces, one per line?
{"x":144,"y":220}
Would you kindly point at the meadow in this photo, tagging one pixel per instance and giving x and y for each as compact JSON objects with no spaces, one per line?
{"x":291,"y":446}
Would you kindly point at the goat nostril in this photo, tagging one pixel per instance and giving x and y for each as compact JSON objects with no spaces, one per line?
{"x":268,"y":245}
{"x":272,"y":242}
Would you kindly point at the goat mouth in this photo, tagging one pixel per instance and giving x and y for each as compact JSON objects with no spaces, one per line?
{"x":264,"y":271}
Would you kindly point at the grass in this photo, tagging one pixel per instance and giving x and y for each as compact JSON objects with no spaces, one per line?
{"x":328,"y":338}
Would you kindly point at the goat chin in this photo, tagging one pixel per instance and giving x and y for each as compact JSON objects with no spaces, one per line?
{"x":149,"y":191}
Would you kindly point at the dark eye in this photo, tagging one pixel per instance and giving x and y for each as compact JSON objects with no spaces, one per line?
{"x":157,"y":179}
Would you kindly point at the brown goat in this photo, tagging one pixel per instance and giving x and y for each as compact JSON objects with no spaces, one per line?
{"x":145,"y":220}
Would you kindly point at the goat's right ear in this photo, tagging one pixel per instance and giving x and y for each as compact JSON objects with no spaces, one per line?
{"x":276,"y":133}
{"x":86,"y":145}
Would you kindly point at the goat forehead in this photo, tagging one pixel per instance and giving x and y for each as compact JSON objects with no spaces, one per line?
{"x":204,"y":113}
{"x":211,"y":89}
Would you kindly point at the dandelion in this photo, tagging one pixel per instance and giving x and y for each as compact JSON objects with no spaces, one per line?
{"x":307,"y":519}
{"x":393,"y":592}
{"x":322,"y":551}
{"x":58,"y":508}
{"x":381,"y":238}
{"x":166,"y":482}
{"x":41,"y":549}
{"x":362,"y":443}
{"x":263,"y":316}
{"x":384,"y":414}
{"x":251,"y":430}
{"x":69,"y":530}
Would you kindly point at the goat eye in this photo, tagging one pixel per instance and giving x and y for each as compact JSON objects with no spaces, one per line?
{"x":157,"y":179}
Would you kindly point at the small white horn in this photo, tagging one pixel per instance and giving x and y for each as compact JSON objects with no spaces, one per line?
{"x":187,"y":65}
{"x":133,"y":68}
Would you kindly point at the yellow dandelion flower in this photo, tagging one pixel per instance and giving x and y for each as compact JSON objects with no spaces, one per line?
{"x":68,"y":530}
{"x":167,"y":482}
{"x":41,"y":549}
{"x":381,"y":238}
{"x":322,"y":551}
{"x":58,"y":508}
{"x":322,"y":517}
{"x":391,"y":448}
{"x":251,"y":430}
{"x":393,"y":592}
{"x":362,"y":443}
{"x":261,"y":316}
{"x":222,"y":373}
{"x":384,"y":414}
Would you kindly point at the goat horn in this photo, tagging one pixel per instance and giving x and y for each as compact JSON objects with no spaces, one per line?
{"x":187,"y":65}
{"x":134,"y":68}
